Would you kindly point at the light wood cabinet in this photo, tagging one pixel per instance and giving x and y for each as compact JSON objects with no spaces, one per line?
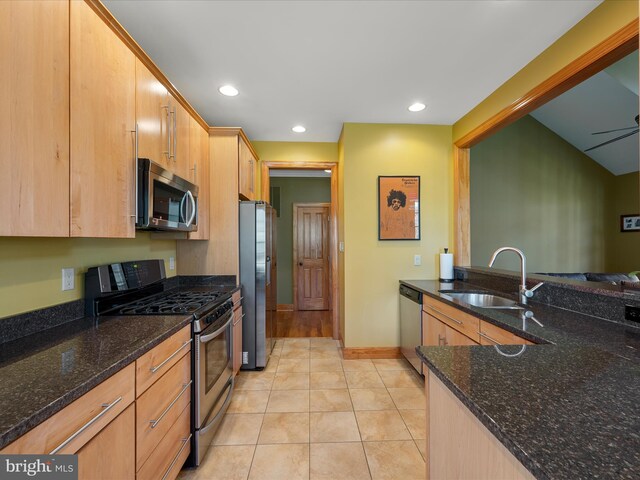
{"x":237,"y":332}
{"x":110,"y":454}
{"x":102,"y":134}
{"x":219,"y":256}
{"x":156,"y":362}
{"x":247,"y":171}
{"x":152,"y":117}
{"x":34,"y":118}
{"x":493,"y":335}
{"x":459,"y":445}
{"x":454,"y":318}
{"x":437,"y":333}
{"x":199,"y":157}
{"x":181,"y":133}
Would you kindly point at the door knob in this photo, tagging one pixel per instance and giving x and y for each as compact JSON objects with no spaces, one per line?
{"x":300,"y":263}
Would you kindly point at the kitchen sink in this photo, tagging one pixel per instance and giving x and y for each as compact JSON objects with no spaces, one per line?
{"x":481,"y":299}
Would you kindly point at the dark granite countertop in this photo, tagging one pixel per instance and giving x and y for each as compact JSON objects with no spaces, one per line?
{"x":567,"y":408}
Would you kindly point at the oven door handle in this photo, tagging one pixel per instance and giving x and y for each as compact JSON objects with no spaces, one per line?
{"x":211,"y":336}
{"x":232,"y":382}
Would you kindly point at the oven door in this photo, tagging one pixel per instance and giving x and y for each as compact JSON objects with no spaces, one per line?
{"x":214,"y":380}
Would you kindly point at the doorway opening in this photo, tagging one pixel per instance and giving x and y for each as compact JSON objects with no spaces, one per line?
{"x":306,"y":197}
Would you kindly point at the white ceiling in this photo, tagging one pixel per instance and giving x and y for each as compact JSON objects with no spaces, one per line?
{"x":606,"y":101}
{"x":323,"y":63}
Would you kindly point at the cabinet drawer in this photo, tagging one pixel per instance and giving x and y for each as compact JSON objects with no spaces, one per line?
{"x":492,"y":335}
{"x":167,"y":459}
{"x":72,"y":427}
{"x":437,"y":333}
{"x":237,"y":299}
{"x":153,"y":364}
{"x":463,"y":322}
{"x":160,"y":406}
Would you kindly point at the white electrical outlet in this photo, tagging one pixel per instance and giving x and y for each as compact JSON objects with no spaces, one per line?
{"x":342,"y":246}
{"x":172,"y":263}
{"x":417,"y":260}
{"x":68,"y":279}
{"x":245,"y":358}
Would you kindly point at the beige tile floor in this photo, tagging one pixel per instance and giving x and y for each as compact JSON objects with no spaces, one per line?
{"x":312,"y":415}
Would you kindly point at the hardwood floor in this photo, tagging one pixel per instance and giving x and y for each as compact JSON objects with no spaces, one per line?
{"x":311,"y":323}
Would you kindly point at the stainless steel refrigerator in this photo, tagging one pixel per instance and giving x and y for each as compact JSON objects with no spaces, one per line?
{"x":257,"y":277}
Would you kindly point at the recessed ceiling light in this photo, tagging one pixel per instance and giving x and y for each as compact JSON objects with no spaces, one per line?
{"x":417,"y":107}
{"x":228,"y":90}
{"x":299,"y":129}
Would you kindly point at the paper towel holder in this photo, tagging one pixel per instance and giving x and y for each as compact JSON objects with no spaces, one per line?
{"x":446,"y":266}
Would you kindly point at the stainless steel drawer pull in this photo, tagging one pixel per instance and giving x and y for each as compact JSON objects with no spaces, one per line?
{"x":154,"y":423}
{"x":445,"y":315}
{"x":484,"y":335}
{"x":158,"y":367}
{"x":184,"y":444}
{"x":106,"y":406}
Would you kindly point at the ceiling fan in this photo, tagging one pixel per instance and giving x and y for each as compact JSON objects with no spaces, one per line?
{"x":628,"y":134}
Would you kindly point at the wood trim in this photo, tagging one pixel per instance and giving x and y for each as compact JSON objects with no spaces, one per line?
{"x":119,"y":30}
{"x":461,"y":206}
{"x":333,"y":230}
{"x":285,"y":307}
{"x":233,"y":131}
{"x":609,"y":51}
{"x":355,"y":353}
{"x":612,"y":49}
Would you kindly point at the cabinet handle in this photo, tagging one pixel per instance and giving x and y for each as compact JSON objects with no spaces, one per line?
{"x":168,"y":152}
{"x":175,"y":141}
{"x":445,"y":315}
{"x":158,"y":367}
{"x":442,"y":340}
{"x":135,"y":173}
{"x":106,"y":406}
{"x":484,"y":335}
{"x":184,"y":444}
{"x":154,"y":423}
{"x":195,"y":172}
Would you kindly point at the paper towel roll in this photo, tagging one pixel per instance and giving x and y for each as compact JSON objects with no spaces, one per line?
{"x":446,"y":267}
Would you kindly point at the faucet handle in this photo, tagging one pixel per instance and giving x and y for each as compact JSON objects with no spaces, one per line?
{"x":528,"y":292}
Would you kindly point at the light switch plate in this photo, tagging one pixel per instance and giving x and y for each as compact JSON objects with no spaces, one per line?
{"x":68,"y":279}
{"x":172,"y":263}
{"x":417,"y":260}
{"x":342,"y":246}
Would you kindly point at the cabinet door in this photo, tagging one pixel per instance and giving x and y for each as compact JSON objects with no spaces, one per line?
{"x":453,"y":337}
{"x":237,"y":340}
{"x":199,"y":156}
{"x":111,"y":453}
{"x":152,"y":117}
{"x":102,"y":129}
{"x":34,"y":118}
{"x":434,"y":332}
{"x":181,"y":132}
{"x":247,"y":172}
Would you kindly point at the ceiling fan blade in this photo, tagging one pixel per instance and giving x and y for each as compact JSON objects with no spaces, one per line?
{"x":614,"y":140}
{"x":616,"y":130}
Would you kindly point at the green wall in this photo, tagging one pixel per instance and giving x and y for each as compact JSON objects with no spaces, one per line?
{"x":532,"y":190}
{"x":30,"y":268}
{"x":623,"y":250}
{"x":294,"y":190}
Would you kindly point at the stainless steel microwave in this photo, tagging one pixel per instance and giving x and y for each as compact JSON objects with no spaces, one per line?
{"x":165,"y":201}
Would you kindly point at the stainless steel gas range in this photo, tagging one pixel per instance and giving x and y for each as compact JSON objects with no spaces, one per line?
{"x":140,"y":288}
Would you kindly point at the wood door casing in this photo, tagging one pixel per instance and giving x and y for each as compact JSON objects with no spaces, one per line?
{"x":311,"y":256}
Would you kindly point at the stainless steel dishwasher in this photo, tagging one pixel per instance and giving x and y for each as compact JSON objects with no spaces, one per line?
{"x":411,"y":325}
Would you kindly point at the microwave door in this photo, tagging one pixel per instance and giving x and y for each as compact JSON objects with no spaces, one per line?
{"x":188,"y":209}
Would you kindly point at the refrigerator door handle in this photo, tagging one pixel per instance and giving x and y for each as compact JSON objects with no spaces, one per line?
{"x":268,"y":269}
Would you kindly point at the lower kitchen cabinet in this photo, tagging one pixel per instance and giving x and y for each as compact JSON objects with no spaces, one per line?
{"x":110,"y":454}
{"x":237,"y":332}
{"x":437,"y":333}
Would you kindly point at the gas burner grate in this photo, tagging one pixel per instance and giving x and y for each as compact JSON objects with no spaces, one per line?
{"x":170,"y":303}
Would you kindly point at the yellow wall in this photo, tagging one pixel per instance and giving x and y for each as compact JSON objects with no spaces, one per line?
{"x":623,"y":254}
{"x":601,"y":23}
{"x":372,"y":267}
{"x":30,"y":268}
{"x":341,"y":230}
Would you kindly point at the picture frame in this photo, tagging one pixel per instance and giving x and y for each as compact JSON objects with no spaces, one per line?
{"x":630,"y":223}
{"x":399,"y":207}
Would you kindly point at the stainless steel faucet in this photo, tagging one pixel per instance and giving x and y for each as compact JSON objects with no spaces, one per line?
{"x":524,"y":292}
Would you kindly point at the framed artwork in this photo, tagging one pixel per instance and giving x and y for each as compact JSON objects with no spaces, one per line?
{"x":399,"y":208}
{"x":630,"y":223}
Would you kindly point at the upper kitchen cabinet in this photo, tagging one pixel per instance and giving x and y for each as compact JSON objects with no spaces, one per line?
{"x":153,"y":118}
{"x":248,"y":169}
{"x":34,"y":118}
{"x":199,"y":156}
{"x":103,"y":110}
